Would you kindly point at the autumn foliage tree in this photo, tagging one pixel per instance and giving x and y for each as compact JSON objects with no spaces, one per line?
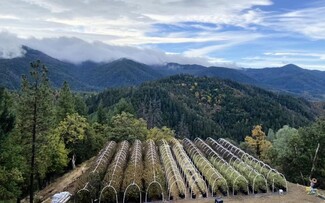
{"x":258,"y":142}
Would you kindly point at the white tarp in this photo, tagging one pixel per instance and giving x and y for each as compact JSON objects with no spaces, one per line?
{"x":61,"y":197}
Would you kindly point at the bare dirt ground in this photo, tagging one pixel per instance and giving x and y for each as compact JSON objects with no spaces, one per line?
{"x":296,"y":194}
{"x":65,"y":183}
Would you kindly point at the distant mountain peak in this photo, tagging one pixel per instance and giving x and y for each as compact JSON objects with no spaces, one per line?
{"x":291,"y":66}
{"x":31,"y":51}
{"x":177,"y":66}
{"x":36,"y":54}
{"x":127,"y":61}
{"x":124,"y":59}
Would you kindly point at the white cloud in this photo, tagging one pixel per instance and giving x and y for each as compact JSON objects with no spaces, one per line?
{"x":103,"y":30}
{"x":124,"y":22}
{"x":308,"y":21}
{"x":99,"y":30}
{"x":10,"y":46}
{"x":76,"y":51}
{"x":320,"y":56}
{"x":50,"y":6}
{"x":233,"y":40}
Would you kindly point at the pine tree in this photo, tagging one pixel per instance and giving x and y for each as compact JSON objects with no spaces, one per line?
{"x":142,"y":111}
{"x":182,"y":129}
{"x":271,"y":135}
{"x":35,"y":119}
{"x":151,"y":112}
{"x":7,"y":119}
{"x":101,"y":114}
{"x":66,"y":102}
{"x":123,"y":106}
{"x":80,"y":105}
{"x":12,"y":164}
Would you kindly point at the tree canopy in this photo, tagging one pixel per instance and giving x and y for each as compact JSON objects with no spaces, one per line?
{"x":125,"y":126}
{"x":258,"y":142}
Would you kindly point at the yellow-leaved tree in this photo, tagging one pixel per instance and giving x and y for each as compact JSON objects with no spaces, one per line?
{"x":258,"y":142}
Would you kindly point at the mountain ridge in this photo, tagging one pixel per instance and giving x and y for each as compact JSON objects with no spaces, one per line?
{"x":11,"y":70}
{"x":92,"y":76}
{"x":292,"y":79}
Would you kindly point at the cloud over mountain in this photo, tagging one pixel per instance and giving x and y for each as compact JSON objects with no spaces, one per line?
{"x":75,"y":50}
{"x":216,"y":32}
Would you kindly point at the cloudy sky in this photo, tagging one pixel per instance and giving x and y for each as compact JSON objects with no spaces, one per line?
{"x":233,"y":33}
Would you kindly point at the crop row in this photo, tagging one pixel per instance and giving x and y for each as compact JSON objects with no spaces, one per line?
{"x":89,"y":183}
{"x":175,"y":183}
{"x":153,"y":175}
{"x":175,"y":170}
{"x":275,"y":179}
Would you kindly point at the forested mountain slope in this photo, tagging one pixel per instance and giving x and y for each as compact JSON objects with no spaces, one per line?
{"x":123,"y":72}
{"x":11,"y":70}
{"x":201,"y":106}
{"x":291,"y":78}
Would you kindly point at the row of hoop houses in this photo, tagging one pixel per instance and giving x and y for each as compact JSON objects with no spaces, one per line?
{"x":162,"y":171}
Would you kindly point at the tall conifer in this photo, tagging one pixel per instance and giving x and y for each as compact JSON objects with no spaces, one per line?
{"x":35,"y":119}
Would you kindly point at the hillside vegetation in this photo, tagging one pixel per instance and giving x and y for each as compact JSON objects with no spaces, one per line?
{"x":209,"y":107}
